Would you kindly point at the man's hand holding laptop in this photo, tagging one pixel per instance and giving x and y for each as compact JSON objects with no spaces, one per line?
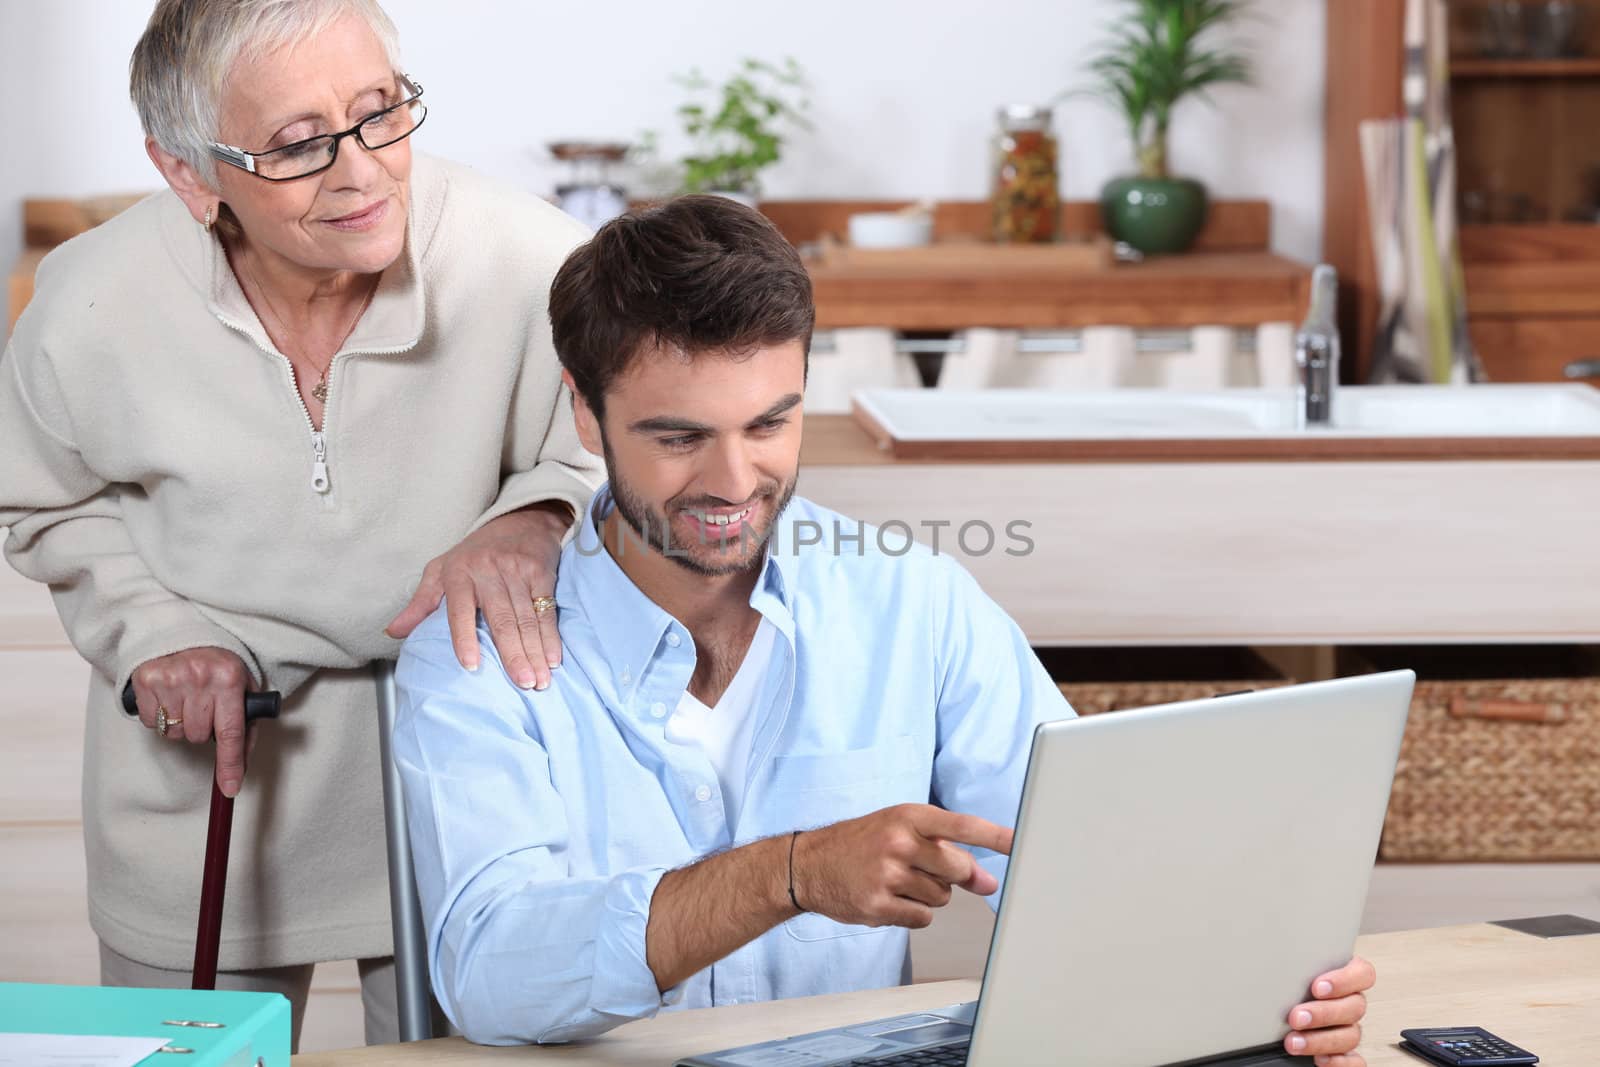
{"x":1328,"y":1027}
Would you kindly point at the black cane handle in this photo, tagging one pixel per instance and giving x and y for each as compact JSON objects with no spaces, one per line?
{"x":256,"y":705}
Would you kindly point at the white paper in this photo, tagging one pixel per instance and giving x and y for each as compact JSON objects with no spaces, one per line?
{"x":75,"y":1050}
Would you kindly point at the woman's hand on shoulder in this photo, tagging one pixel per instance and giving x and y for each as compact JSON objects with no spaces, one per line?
{"x":198,"y":693}
{"x":499,"y":569}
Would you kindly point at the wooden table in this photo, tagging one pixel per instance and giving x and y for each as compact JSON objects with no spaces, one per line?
{"x":1543,"y":995}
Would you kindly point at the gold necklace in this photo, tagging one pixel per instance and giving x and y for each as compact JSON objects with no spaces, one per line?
{"x":320,"y":390}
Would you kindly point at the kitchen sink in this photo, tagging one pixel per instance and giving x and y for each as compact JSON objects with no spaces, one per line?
{"x":1360,"y":412}
{"x":1470,"y":411}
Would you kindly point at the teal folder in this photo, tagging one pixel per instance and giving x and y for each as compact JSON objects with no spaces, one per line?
{"x":244,"y":1028}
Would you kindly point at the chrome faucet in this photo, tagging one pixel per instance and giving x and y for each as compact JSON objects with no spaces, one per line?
{"x":1316,"y":351}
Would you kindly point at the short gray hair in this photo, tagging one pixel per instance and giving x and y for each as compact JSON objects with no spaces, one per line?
{"x":182,"y":61}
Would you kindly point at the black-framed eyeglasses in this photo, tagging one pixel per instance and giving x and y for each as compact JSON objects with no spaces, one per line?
{"x":316,"y":154}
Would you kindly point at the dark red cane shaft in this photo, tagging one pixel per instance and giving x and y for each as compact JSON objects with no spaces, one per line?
{"x":213,"y":884}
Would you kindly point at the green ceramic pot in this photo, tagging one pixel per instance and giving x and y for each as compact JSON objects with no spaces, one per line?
{"x":1154,"y":215}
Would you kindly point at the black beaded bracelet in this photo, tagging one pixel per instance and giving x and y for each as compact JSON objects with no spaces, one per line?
{"x":792,"y":839}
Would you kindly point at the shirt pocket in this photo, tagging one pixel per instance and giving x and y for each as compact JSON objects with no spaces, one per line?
{"x":819,"y":789}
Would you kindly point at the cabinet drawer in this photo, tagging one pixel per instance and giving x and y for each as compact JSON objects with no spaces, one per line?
{"x":1534,"y":350}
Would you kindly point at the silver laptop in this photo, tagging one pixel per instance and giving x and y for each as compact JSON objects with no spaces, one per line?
{"x":1179,"y":875}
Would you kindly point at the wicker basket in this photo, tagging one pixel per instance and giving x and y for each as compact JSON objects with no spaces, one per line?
{"x":1139,"y":677}
{"x":1094,"y":698}
{"x":1500,"y":769}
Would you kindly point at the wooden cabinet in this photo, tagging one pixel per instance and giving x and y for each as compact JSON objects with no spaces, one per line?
{"x":1528,"y":178}
{"x":1527,"y":348}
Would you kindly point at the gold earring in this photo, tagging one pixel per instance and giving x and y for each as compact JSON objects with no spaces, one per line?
{"x":207,"y":221}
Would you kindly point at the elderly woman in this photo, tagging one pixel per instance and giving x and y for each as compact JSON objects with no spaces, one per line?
{"x":239,"y":421}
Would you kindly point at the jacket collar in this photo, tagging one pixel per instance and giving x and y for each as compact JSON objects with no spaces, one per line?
{"x":395,"y":320}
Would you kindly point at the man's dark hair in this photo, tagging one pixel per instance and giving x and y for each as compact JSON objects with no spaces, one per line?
{"x":698,"y":274}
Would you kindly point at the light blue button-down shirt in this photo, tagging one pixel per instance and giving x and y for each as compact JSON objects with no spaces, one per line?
{"x":542,"y":821}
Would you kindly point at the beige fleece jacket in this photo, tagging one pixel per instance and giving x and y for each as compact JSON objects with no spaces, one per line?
{"x":156,"y":469}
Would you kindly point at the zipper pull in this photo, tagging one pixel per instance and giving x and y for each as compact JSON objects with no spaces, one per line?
{"x":319,"y":463}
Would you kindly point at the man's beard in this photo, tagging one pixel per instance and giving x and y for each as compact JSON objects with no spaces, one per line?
{"x":655,"y":528}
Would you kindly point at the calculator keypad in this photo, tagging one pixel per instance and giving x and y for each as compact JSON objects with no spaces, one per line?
{"x":1470,"y":1047}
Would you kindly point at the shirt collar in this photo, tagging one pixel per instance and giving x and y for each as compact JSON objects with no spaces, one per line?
{"x":393,"y":322}
{"x":628,"y":626}
{"x":783,"y":562}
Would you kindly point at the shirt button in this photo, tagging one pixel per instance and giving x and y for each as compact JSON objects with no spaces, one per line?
{"x":703,"y":794}
{"x":658,"y":711}
{"x":673,"y":639}
{"x":625,"y":678}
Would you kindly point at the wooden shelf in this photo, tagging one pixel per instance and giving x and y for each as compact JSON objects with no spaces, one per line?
{"x":1231,"y":225}
{"x":1230,"y":279}
{"x":1197,"y":289}
{"x":1584,"y":67}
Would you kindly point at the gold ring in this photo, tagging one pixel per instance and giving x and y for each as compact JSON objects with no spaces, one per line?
{"x":543,"y":604}
{"x":163,"y":723}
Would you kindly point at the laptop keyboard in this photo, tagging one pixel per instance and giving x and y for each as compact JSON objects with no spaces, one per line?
{"x":951,"y":1055}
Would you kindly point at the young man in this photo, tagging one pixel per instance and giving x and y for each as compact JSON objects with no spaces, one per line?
{"x":763,"y":758}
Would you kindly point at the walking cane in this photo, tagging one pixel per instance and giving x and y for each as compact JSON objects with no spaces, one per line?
{"x":219,"y":831}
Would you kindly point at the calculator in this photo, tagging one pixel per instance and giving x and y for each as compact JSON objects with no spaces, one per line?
{"x":1464,"y":1046}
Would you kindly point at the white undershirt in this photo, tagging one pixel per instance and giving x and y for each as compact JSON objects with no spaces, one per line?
{"x":726,"y":732}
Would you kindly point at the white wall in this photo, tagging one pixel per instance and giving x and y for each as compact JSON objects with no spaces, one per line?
{"x":903,"y":101}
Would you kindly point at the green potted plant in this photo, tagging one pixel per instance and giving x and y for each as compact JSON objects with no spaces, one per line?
{"x":736,"y":128}
{"x":1159,"y":55}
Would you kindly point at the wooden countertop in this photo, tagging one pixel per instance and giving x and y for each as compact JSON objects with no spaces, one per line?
{"x":841,"y":441}
{"x":1539,"y":994}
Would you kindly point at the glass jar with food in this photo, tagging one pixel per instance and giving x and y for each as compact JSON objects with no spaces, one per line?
{"x":1025,"y":197}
